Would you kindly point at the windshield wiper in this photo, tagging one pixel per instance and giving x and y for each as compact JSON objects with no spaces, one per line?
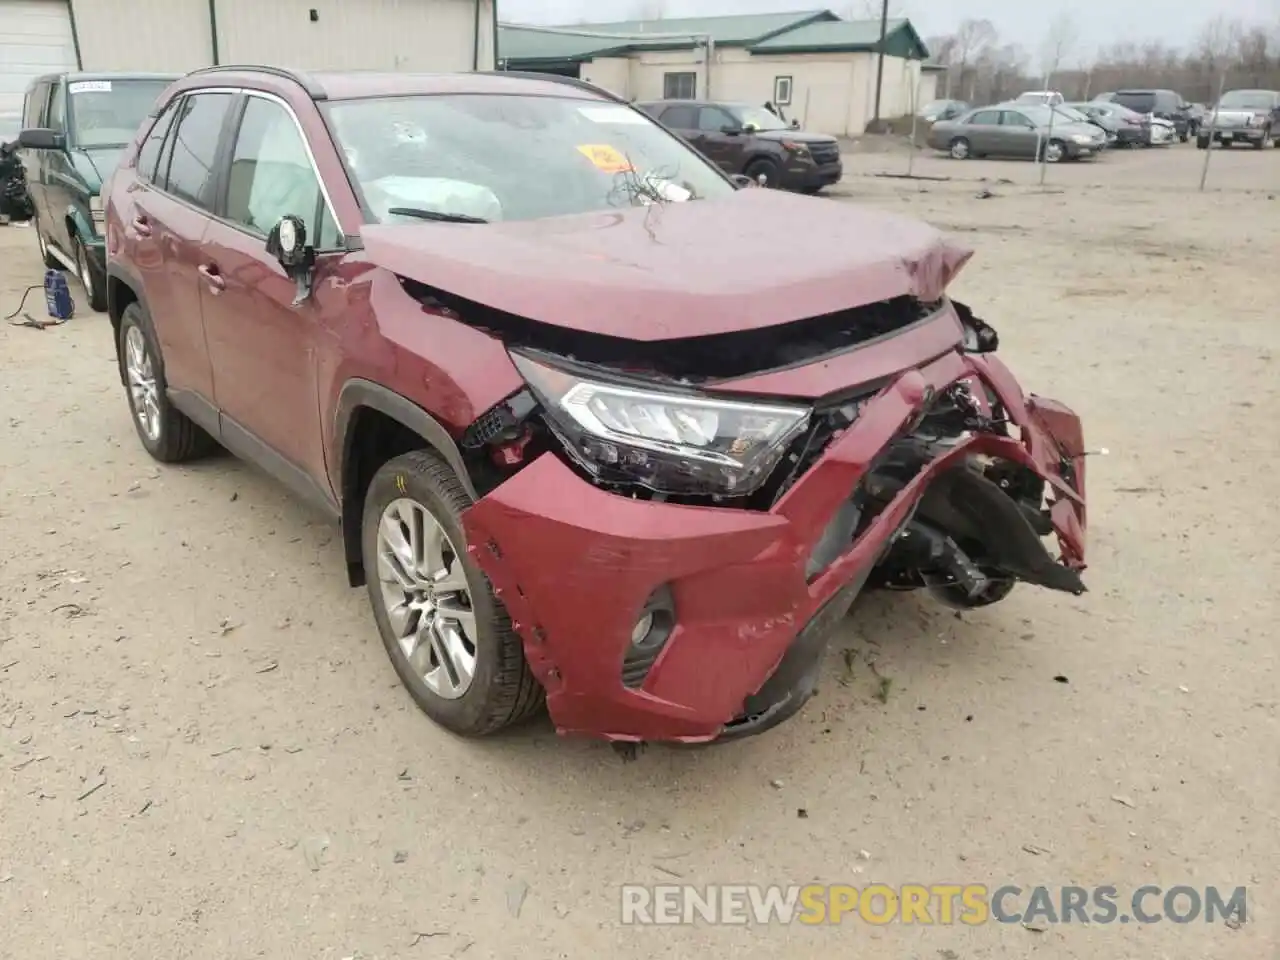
{"x":434,"y":215}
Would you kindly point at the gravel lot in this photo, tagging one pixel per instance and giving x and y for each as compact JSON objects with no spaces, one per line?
{"x":182,"y":640}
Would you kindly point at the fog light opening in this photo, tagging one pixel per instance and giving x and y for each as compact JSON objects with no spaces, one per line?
{"x":649,"y":635}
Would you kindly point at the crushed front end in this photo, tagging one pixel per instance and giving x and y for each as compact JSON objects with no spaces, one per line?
{"x":674,"y":553}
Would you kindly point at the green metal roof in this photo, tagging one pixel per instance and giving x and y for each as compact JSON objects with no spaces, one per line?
{"x":847,"y":36}
{"x":520,"y":44}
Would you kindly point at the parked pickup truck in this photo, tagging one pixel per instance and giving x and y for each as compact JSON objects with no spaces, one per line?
{"x":1243,"y":116}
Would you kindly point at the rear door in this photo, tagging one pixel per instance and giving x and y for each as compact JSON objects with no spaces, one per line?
{"x":263,"y":348}
{"x":983,"y":132}
{"x":169,"y":219}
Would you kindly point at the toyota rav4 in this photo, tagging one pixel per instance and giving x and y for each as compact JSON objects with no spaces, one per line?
{"x":592,"y":434}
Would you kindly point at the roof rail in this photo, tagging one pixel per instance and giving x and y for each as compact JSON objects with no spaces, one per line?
{"x":557,"y":78}
{"x":313,"y":89}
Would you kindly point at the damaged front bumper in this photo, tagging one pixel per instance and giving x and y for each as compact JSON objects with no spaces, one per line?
{"x":577,"y":568}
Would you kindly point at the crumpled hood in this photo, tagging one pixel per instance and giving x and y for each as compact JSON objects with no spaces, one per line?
{"x":95,"y":164}
{"x":755,"y":259}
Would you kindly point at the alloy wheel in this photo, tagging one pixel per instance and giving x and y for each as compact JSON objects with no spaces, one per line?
{"x":1053,"y":152}
{"x":82,"y":267}
{"x":142,"y":383}
{"x":427,"y":598}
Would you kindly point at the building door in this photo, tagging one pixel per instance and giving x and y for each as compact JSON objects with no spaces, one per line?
{"x":35,"y":39}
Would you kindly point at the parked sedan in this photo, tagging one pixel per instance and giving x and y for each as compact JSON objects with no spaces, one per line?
{"x":942,"y":110}
{"x":1129,"y":129}
{"x":1017,"y":131}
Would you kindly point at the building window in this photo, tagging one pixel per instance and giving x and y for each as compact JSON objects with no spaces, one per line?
{"x":782,"y":91}
{"x":679,"y":86}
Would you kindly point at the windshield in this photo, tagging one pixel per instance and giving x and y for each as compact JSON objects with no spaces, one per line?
{"x":503,"y":157}
{"x":759,"y":118}
{"x":107,"y":113}
{"x":1247,"y":100}
{"x":1039,"y":115}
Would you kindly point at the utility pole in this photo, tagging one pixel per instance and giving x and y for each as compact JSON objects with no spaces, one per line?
{"x":884,"y":26}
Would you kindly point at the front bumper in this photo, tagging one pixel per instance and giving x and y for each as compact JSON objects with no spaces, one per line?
{"x":1078,"y":151}
{"x":1239,"y":135}
{"x":812,"y":176}
{"x":575,"y":565}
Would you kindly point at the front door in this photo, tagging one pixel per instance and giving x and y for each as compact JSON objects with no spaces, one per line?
{"x":1019,"y":137}
{"x":262,"y":346}
{"x":723,"y":149}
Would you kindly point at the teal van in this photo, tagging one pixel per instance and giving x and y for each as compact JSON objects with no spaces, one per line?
{"x":75,"y":127}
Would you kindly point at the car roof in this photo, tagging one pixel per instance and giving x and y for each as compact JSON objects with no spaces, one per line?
{"x":363,"y":84}
{"x":74,"y":76}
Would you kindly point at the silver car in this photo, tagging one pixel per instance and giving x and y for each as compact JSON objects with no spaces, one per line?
{"x":1017,"y":130}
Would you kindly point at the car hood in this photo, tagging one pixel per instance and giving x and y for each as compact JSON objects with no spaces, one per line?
{"x":95,"y":164}
{"x":755,"y":259}
{"x":1070,"y":129}
{"x":795,"y":136}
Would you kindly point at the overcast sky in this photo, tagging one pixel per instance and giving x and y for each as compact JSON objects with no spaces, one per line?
{"x":1100,"y":22}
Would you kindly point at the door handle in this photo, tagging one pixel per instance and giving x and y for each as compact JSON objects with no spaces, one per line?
{"x":212,"y":277}
{"x":142,"y":225}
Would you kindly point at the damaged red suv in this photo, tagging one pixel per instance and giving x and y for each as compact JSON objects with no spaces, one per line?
{"x":602,"y":425}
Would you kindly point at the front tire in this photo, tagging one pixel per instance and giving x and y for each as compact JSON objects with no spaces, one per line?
{"x":95,"y":289}
{"x":1055,"y":151}
{"x":165,"y":431}
{"x":50,"y":261}
{"x":1266,"y":142}
{"x":767,"y":168}
{"x":959,"y":149}
{"x":448,"y":637}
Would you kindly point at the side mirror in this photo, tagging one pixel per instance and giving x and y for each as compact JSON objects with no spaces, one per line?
{"x":40,"y":138}
{"x":287,"y":242}
{"x":731,"y":130}
{"x":795,"y":124}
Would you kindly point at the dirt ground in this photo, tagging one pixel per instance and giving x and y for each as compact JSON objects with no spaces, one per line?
{"x":204,"y":751}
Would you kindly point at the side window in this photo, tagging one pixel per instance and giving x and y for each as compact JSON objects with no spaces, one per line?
{"x":986,"y":117}
{"x":679,"y":86}
{"x":55,"y":118}
{"x":1011,"y":118}
{"x":272,"y":176}
{"x":713,"y":120}
{"x":33,"y":109}
{"x":194,"y":145}
{"x":149,"y":152}
{"x":680,"y":118}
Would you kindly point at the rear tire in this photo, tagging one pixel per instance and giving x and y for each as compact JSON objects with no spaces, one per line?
{"x":1055,"y":151}
{"x":501,"y":689}
{"x":165,"y":431}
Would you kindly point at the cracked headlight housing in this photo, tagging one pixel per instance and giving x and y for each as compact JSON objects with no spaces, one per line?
{"x":662,"y":439}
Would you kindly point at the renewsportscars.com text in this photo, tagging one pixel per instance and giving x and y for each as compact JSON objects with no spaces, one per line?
{"x":928,"y":904}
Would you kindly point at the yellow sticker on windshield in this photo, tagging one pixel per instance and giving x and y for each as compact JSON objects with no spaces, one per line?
{"x":605,"y":157}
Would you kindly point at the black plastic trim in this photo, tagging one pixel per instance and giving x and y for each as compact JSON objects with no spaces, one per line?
{"x":248,"y":446}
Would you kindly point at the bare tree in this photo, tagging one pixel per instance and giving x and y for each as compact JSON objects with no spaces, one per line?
{"x":1059,"y":43}
{"x":973,"y":39}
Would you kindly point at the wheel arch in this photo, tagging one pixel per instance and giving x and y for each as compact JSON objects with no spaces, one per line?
{"x":366,"y":409}
{"x":123,"y":288}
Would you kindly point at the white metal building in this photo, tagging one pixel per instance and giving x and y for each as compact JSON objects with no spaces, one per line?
{"x":819,"y":68}
{"x":43,"y":36}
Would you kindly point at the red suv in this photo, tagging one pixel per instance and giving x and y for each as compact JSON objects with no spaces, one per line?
{"x":591,"y":431}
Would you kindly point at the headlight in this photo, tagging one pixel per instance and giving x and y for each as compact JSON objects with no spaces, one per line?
{"x":799,"y":149}
{"x":1081,"y":138}
{"x":95,"y":209}
{"x":666,"y":441}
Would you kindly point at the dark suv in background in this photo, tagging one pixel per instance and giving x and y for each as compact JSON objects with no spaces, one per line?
{"x":1165,"y":104}
{"x":752,"y":141}
{"x":75,"y":127}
